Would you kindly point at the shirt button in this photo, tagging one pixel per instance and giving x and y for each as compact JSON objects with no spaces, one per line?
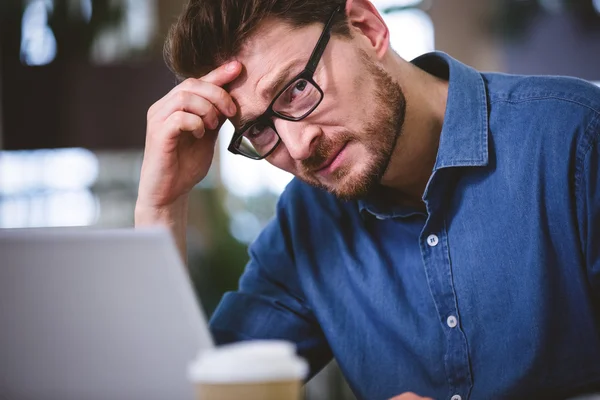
{"x":432,"y":240}
{"x":452,"y":322}
{"x":456,"y":397}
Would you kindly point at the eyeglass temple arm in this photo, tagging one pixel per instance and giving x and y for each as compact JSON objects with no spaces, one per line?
{"x":313,"y":61}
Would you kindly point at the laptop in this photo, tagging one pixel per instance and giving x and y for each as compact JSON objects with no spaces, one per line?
{"x":96,"y":314}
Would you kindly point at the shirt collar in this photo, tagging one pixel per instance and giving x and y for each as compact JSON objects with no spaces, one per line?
{"x":464,"y":136}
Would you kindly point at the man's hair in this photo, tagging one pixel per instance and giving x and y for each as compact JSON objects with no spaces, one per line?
{"x":210,"y":32}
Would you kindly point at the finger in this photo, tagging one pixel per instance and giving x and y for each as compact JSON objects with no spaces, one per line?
{"x":223,"y":74}
{"x":211,"y":82}
{"x":207,"y":87}
{"x":181,"y":121}
{"x":222,"y":118}
{"x":193,"y":104}
{"x":215,"y":94}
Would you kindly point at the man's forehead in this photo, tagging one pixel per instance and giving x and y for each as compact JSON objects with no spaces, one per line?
{"x":270,"y":46}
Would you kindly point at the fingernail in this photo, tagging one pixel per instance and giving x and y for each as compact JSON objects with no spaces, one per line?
{"x":232,"y":109}
{"x":231,"y":66}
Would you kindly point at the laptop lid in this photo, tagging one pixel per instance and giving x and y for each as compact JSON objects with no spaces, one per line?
{"x":96,"y":314}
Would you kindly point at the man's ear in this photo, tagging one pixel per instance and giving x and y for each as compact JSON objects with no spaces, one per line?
{"x":365,"y":20}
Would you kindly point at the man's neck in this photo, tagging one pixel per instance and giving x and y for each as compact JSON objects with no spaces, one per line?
{"x":416,"y":150}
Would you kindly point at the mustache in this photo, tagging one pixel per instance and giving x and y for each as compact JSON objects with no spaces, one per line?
{"x":318,"y":157}
{"x":322,"y":151}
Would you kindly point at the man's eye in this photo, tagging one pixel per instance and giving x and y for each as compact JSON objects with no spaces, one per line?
{"x":256,"y":130}
{"x":298,"y":89}
{"x":301,"y":85}
{"x":297,"y":99}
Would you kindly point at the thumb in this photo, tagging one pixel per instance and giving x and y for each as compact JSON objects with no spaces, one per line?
{"x":223,"y":74}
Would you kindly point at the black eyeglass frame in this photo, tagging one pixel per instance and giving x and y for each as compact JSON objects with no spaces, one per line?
{"x":307,"y":74}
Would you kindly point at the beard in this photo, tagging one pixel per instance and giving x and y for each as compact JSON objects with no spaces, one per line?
{"x":379,"y":136}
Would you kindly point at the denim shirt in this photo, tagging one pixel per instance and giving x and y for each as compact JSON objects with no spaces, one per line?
{"x":492,"y":293}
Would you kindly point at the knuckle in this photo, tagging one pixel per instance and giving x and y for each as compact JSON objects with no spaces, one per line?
{"x":177,"y":119}
{"x":187,"y":83}
{"x":181,"y":97}
{"x":222,"y":95}
{"x":199,"y":127}
{"x":210,"y":121}
{"x":222,"y":98}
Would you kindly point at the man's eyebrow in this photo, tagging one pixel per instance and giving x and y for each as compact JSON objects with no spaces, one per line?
{"x":283,"y":77}
{"x":246,"y":120}
{"x":285,"y":74}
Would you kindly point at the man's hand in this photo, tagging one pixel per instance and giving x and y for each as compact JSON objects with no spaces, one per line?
{"x":181,"y":133}
{"x":410,"y":396}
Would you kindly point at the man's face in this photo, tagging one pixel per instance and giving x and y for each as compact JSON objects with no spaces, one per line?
{"x":345,"y":144}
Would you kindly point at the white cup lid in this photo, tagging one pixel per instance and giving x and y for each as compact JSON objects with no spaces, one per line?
{"x":249,"y":361}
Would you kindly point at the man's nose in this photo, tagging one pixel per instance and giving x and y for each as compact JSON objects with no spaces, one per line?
{"x":298,"y":137}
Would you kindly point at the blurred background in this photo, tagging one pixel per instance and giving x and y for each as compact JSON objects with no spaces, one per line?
{"x":77,"y":77}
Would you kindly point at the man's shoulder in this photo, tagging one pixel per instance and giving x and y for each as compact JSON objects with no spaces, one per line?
{"x":569,"y":91}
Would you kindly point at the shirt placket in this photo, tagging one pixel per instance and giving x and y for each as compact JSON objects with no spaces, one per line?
{"x":436,"y":261}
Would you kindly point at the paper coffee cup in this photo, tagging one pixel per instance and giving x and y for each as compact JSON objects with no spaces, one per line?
{"x":252,"y":370}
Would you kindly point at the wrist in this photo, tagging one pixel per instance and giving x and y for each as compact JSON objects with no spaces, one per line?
{"x":171,"y":215}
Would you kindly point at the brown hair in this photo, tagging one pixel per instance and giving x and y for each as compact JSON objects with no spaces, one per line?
{"x":210,"y":32}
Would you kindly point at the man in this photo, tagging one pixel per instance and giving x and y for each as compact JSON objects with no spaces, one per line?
{"x":443,"y":235}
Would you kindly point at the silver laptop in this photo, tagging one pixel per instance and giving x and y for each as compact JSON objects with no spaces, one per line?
{"x":96,"y":314}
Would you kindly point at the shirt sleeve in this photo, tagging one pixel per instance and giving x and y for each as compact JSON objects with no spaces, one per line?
{"x":587,"y":181}
{"x":269,"y":303}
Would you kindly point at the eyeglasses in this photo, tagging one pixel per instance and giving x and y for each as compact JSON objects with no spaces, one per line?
{"x":300,"y":97}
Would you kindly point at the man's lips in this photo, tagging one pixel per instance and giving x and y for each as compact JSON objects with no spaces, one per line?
{"x":331,"y":158}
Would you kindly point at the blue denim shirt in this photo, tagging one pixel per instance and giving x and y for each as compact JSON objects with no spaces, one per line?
{"x":492,"y":293}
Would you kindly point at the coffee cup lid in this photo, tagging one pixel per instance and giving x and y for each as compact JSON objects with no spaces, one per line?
{"x":249,"y":361}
